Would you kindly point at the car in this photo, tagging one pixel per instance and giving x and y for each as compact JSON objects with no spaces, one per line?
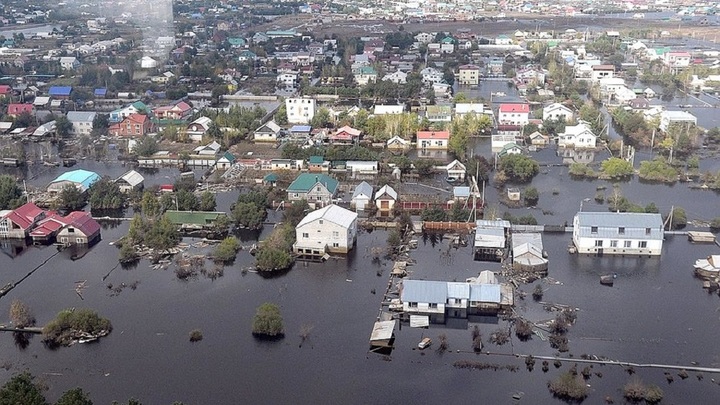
{"x":426,"y":342}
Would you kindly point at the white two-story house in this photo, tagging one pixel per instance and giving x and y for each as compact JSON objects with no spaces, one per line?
{"x":618,"y":233}
{"x":330,"y":229}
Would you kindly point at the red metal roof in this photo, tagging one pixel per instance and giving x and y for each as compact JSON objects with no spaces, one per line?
{"x":433,"y":135}
{"x":16,"y":109}
{"x":82,"y":221}
{"x":518,"y":108}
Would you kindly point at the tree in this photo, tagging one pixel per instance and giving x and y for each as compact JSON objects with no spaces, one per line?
{"x":71,"y":198}
{"x":248,"y":215}
{"x":21,"y":315}
{"x":146,"y":146}
{"x":616,"y":168}
{"x":531,"y":196}
{"x":207,"y":201}
{"x":106,"y":194}
{"x":149,"y":204}
{"x":186,"y":201}
{"x":280,"y":116}
{"x":162,"y":235}
{"x":267,"y":321}
{"x":270,"y":258}
{"x":519,"y":167}
{"x":100,"y":124}
{"x":75,"y":396}
{"x":434,"y":214}
{"x":21,"y":389}
{"x":679,"y":218}
{"x":63,"y":126}
{"x":10,"y":193}
{"x":321,"y":118}
{"x":295,"y":212}
{"x":226,"y":251}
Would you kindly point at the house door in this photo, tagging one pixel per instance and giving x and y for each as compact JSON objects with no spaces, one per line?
{"x":384,"y":205}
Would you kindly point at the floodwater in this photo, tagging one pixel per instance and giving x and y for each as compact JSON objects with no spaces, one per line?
{"x":656,"y":312}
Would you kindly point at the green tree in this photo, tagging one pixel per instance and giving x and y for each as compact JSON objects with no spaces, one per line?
{"x":186,"y":201}
{"x":280,"y":116}
{"x":138,"y":228}
{"x":10,"y":193}
{"x":75,"y":396}
{"x":71,"y":198}
{"x":207,"y":201}
{"x":106,"y":194}
{"x":248,"y":215}
{"x":271,"y":258}
{"x":458,"y":213}
{"x":519,"y":167}
{"x":616,"y":168}
{"x":268,"y":321}
{"x":679,"y":218}
{"x":146,"y":146}
{"x":434,"y":214}
{"x":149,"y":204}
{"x":63,"y":126}
{"x":227,"y":250}
{"x":531,"y":196}
{"x":100,"y":124}
{"x":21,"y":389}
{"x":295,"y":212}
{"x":162,"y":235}
{"x":321,"y":119}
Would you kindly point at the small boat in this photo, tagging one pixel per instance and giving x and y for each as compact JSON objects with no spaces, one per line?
{"x":426,"y":342}
{"x":608,"y":279}
{"x":708,"y":268}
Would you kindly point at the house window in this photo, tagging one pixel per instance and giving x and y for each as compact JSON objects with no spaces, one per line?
{"x":71,"y":230}
{"x":593,"y":229}
{"x":613,"y":243}
{"x":627,"y":244}
{"x":642,"y":244}
{"x":321,"y":222}
{"x":305,"y":235}
{"x":336,"y":244}
{"x":336,"y":234}
{"x":433,"y":305}
{"x":647,"y":231}
{"x":413,"y":305}
{"x":598,"y":243}
{"x":621,"y":230}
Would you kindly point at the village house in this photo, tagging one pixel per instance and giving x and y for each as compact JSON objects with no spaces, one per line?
{"x":362,"y":196}
{"x":469,"y":75}
{"x":15,"y":110}
{"x":18,"y":223}
{"x":5,"y":91}
{"x":602,"y":72}
{"x":318,"y":164}
{"x":365,"y":75}
{"x":668,"y":118}
{"x":130,"y":181}
{"x":510,"y":149}
{"x":503,"y":39}
{"x":69,"y":63}
{"x":538,"y":139}
{"x":82,"y":122}
{"x":677,"y":59}
{"x":331,"y":229}
{"x":317,"y":189}
{"x":618,"y":233}
{"x":81,"y":179}
{"x":211,"y":149}
{"x":577,"y":136}
{"x":60,"y":92}
{"x":346,"y":135}
{"x":197,"y":129}
{"x":475,"y":109}
{"x":455,"y":170}
{"x":528,"y":254}
{"x":491,"y":237}
{"x":300,"y":110}
{"x":397,"y":143}
{"x":137,"y":107}
{"x":433,"y":140}
{"x":268,"y":132}
{"x":397,"y":77}
{"x":438,"y":113}
{"x":557,"y":111}
{"x":385,"y":199}
{"x":177,"y":111}
{"x":134,"y":125}
{"x":81,"y":229}
{"x":515,"y":115}
{"x":47,"y":229}
{"x":226,"y":161}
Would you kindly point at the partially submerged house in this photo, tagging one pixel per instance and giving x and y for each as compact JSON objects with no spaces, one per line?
{"x":385,"y":199}
{"x":81,"y":229}
{"x":82,"y":179}
{"x":491,"y":239}
{"x":618,"y":233}
{"x":18,"y":223}
{"x":331,"y":229}
{"x":527,"y":252}
{"x":194,"y":220}
{"x":130,"y":181}
{"x":317,"y":189}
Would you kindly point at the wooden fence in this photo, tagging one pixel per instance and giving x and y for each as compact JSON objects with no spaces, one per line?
{"x":449,"y":225}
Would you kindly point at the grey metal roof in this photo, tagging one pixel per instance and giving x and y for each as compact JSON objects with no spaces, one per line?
{"x":458,"y":290}
{"x":485,"y":293}
{"x":363,"y":189}
{"x":608,"y":225}
{"x":132,"y":178}
{"x":333,"y":213}
{"x":432,"y":292}
{"x":492,"y":237}
{"x":489,"y":223}
{"x":81,"y":116}
{"x":533,"y":238}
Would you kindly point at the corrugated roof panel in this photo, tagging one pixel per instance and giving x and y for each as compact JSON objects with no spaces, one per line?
{"x":485,"y":293}
{"x":431,"y":292}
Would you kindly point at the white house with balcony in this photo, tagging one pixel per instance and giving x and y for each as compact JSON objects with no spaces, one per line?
{"x":668,"y":118}
{"x":331,"y":229}
{"x":618,"y":233}
{"x":556,"y":112}
{"x":300,"y":110}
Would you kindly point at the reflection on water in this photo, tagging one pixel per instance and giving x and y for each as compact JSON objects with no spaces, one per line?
{"x":572,"y":155}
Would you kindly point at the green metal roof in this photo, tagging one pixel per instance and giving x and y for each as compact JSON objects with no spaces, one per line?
{"x":270,"y":178}
{"x":306,"y":181}
{"x":229,"y":156}
{"x":193,"y":217}
{"x":316,"y":160}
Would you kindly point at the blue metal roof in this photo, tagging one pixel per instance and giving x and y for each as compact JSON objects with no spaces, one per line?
{"x":300,"y":128}
{"x":84,"y":177}
{"x":60,"y":90}
{"x":432,"y":292}
{"x":100,"y":92}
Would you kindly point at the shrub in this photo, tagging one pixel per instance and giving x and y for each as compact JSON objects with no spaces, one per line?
{"x":538,"y":293}
{"x":559,"y":342}
{"x":443,"y":344}
{"x":21,"y":315}
{"x":653,"y":394}
{"x":634,"y":390}
{"x":196,"y":335}
{"x":568,"y":387}
{"x":68,"y":323}
{"x":267,"y":321}
{"x":270,"y":259}
{"x":499,"y":337}
{"x":128,"y":254}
